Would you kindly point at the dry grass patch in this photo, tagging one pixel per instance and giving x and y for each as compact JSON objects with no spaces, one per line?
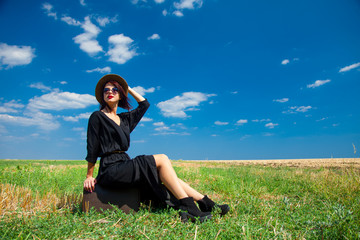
{"x":302,"y":163}
{"x":23,"y":201}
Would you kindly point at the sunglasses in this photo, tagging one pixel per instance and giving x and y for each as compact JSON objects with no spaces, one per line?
{"x":113,"y":90}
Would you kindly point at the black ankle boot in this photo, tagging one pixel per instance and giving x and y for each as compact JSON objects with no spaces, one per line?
{"x":189,"y":210}
{"x":207,"y":205}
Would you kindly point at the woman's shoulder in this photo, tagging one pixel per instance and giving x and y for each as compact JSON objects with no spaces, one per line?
{"x":95,"y":115}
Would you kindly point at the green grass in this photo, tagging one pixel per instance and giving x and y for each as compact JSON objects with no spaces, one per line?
{"x":266,"y":203}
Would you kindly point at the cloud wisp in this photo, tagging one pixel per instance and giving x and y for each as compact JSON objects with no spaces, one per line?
{"x":241,"y":122}
{"x":77,"y":118}
{"x":318,"y":83}
{"x":11,"y":107}
{"x":174,"y":129}
{"x":142,"y":91}
{"x":281,"y":100}
{"x":285,"y":61}
{"x":296,"y":109}
{"x":219,"y":123}
{"x":271,"y":125}
{"x":155,"y":36}
{"x":100,"y":70}
{"x":350,"y":67}
{"x":48,"y":8}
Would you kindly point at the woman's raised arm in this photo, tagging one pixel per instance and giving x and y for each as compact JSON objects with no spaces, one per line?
{"x":136,"y":95}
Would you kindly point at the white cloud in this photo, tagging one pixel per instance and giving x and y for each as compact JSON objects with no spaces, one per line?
{"x":100,"y":70}
{"x":282,"y":100}
{"x":177,"y":106}
{"x":350,"y":67}
{"x":49,"y":10}
{"x":296,"y":109}
{"x":159,"y":124}
{"x":271,"y":125}
{"x":121,"y":49}
{"x":77,"y":118}
{"x":142,"y":91}
{"x":164,"y":12}
{"x":87,"y":40}
{"x":44,"y":121}
{"x":11,"y":107}
{"x":161,"y":127}
{"x":241,"y":122}
{"x":185,"y":4}
{"x":318,"y":83}
{"x":33,"y":116}
{"x":60,"y":101}
{"x":103,"y":21}
{"x":303,"y":108}
{"x":137,"y":1}
{"x":178,"y":13}
{"x":82,"y":2}
{"x":12,"y":55}
{"x":146,"y":119}
{"x":322,"y":119}
{"x":285,"y":61}
{"x":261,"y":120}
{"x":221,"y":123}
{"x":155,"y":36}
{"x":40,"y":86}
{"x":175,"y":129}
{"x":159,"y":1}
{"x":70,"y":21}
{"x":63,"y":82}
{"x":188,"y":4}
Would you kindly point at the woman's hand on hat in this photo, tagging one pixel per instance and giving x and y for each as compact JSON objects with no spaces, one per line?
{"x":136,"y":95}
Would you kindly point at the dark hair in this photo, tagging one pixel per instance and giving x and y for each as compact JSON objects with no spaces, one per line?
{"x":124,"y":101}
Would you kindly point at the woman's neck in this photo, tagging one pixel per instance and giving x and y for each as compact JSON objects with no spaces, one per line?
{"x":110,"y":109}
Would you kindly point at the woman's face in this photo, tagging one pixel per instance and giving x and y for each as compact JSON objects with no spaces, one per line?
{"x":111,"y":93}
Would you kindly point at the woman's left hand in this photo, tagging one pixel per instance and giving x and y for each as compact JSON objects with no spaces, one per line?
{"x":89,"y":184}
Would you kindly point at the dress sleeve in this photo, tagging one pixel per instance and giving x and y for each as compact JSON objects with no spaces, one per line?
{"x":93,"y":143}
{"x":136,"y":114}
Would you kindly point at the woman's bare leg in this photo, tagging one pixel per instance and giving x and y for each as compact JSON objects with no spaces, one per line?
{"x":168,"y":176}
{"x":190,"y":191}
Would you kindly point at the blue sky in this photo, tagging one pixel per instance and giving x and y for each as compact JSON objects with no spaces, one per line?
{"x":225,"y":79}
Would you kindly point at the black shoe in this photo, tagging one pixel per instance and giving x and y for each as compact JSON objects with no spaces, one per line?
{"x":189,"y":210}
{"x":207,"y":205}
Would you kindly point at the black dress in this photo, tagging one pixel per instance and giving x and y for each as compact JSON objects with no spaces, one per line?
{"x":109,"y":141}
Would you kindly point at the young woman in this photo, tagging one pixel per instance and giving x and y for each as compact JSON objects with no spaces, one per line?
{"x":108,"y":137}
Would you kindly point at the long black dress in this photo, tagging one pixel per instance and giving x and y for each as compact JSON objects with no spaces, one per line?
{"x":109,"y":141}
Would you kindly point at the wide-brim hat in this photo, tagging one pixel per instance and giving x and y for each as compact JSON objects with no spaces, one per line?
{"x":107,"y":78}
